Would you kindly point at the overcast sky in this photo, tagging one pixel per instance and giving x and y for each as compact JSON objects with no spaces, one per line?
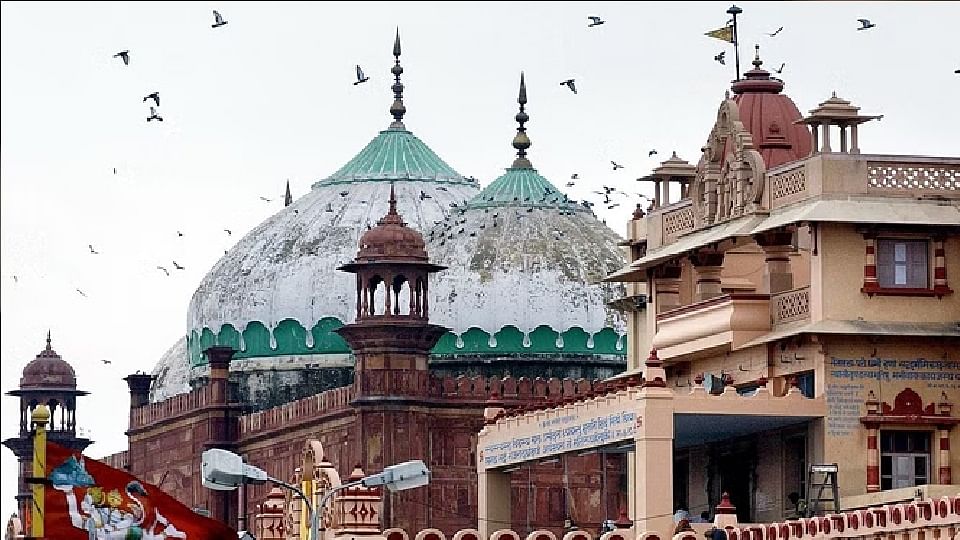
{"x":268,"y":97}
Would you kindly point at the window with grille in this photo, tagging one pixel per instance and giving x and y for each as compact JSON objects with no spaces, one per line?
{"x":904,"y":459}
{"x":902,"y":263}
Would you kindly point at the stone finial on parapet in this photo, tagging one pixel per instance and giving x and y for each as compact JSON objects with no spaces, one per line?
{"x":494,"y":408}
{"x":653,"y":373}
{"x":944,"y":407}
{"x":358,"y":510}
{"x":623,"y":520}
{"x":725,"y":513}
{"x":139,"y":385}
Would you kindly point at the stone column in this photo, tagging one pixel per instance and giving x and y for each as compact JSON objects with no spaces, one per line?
{"x":656,"y":193}
{"x":854,"y":143}
{"x":139,"y":385}
{"x":777,"y":247}
{"x":221,"y":426}
{"x":946,"y":473}
{"x":653,"y":458}
{"x":708,"y":265}
{"x":873,"y":459}
{"x":493,"y":503}
{"x":826,"y":138}
{"x":843,"y":138}
{"x":814,"y":131}
{"x":667,"y":286}
{"x":940,"y":266}
{"x":870,"y":282}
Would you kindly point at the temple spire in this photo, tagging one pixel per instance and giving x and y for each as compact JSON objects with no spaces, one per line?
{"x":49,"y":347}
{"x":521,"y":142}
{"x":287,"y":198}
{"x":397,"y":109}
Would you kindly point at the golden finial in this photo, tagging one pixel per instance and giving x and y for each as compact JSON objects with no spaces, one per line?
{"x":40,"y":415}
{"x":521,"y":142}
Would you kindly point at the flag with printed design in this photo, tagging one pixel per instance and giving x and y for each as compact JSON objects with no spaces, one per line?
{"x":88,"y":500}
{"x":723,"y":34}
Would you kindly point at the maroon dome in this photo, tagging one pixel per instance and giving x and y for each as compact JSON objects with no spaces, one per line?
{"x":769,"y":116}
{"x":48,"y":370}
{"x":392,"y":240}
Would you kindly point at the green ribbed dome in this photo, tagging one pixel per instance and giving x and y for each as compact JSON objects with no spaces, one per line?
{"x":396,"y":154}
{"x":522,"y":187}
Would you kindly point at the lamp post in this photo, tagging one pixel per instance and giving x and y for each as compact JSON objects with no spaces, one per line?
{"x":224,"y":470}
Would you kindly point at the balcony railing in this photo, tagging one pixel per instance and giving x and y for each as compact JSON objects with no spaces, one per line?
{"x":790,"y":306}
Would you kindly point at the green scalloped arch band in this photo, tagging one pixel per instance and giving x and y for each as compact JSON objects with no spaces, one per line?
{"x":289,"y":338}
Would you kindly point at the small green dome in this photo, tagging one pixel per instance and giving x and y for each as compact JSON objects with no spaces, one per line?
{"x":396,"y":154}
{"x":523,"y":187}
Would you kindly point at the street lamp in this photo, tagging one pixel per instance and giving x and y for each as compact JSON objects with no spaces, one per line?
{"x":223,"y":470}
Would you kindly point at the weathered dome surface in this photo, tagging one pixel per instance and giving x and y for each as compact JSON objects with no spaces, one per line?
{"x":769,"y":116}
{"x":48,"y":370}
{"x":524,"y":268}
{"x":172,"y":372}
{"x":278,"y":291}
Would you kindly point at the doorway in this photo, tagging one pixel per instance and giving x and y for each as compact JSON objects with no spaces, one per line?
{"x":732,"y":471}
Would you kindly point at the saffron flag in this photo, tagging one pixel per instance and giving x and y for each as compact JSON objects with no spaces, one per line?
{"x":88,"y":500}
{"x":723,"y":34}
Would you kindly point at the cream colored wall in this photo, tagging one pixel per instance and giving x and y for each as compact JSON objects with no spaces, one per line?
{"x":743,"y":365}
{"x":842,"y":259}
{"x":844,"y":438}
{"x":744,"y":263}
{"x":768,"y":497}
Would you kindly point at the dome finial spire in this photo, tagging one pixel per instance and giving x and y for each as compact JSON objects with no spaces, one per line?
{"x":521,"y":142}
{"x":49,"y":347}
{"x":397,"y":109}
{"x":393,"y":201}
{"x":756,"y":59}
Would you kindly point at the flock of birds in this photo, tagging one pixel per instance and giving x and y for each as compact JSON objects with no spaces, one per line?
{"x":124,"y":55}
{"x":557,"y":200}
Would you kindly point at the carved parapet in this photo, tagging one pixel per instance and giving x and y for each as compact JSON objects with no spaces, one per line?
{"x":328,"y":403}
{"x":171,"y":408}
{"x":357,"y":510}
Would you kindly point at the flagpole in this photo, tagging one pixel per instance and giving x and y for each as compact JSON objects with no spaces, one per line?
{"x":39,"y":417}
{"x":734,"y":10}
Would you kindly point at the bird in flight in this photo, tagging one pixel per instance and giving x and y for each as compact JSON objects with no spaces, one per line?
{"x":177,"y":266}
{"x":218,"y":20}
{"x":180,"y":234}
{"x":571,"y":184}
{"x":14,"y":279}
{"x":154,"y":115}
{"x":575,"y":176}
{"x":361,"y":78}
{"x":165,"y":271}
{"x":262,"y":198}
{"x":570,"y":85}
{"x":865,"y":24}
{"x":782,"y":65}
{"x":83,"y":294}
{"x":106,"y":362}
{"x":155,"y":96}
{"x":114,"y":170}
{"x":424,"y":195}
{"x":721,"y":58}
{"x":125,"y":56}
{"x":228,"y":231}
{"x":651,"y":153}
{"x":616,"y":165}
{"x":441,"y":188}
{"x":595,"y":21}
{"x":95,"y":252}
{"x":777,"y":31}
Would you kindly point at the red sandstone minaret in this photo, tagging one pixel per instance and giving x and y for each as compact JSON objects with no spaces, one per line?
{"x":391,"y":332}
{"x":391,"y":341}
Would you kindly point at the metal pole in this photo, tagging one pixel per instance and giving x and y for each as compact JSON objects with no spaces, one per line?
{"x":306,"y":501}
{"x":734,"y":10}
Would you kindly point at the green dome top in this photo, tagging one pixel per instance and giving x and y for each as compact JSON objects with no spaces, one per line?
{"x":396,"y":154}
{"x":522,"y":187}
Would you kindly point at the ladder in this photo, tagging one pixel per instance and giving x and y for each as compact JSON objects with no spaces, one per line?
{"x":822,"y":478}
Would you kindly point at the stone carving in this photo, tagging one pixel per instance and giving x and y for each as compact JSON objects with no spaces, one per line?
{"x":730,"y":174}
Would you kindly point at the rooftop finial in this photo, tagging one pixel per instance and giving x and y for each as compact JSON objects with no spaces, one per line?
{"x":393,"y":199}
{"x":521,"y":142}
{"x":397,"y":109}
{"x":287,"y":198}
{"x":756,"y":59}
{"x":49,"y":347}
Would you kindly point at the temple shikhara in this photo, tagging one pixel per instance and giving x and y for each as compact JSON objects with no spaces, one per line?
{"x":774,"y":346}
